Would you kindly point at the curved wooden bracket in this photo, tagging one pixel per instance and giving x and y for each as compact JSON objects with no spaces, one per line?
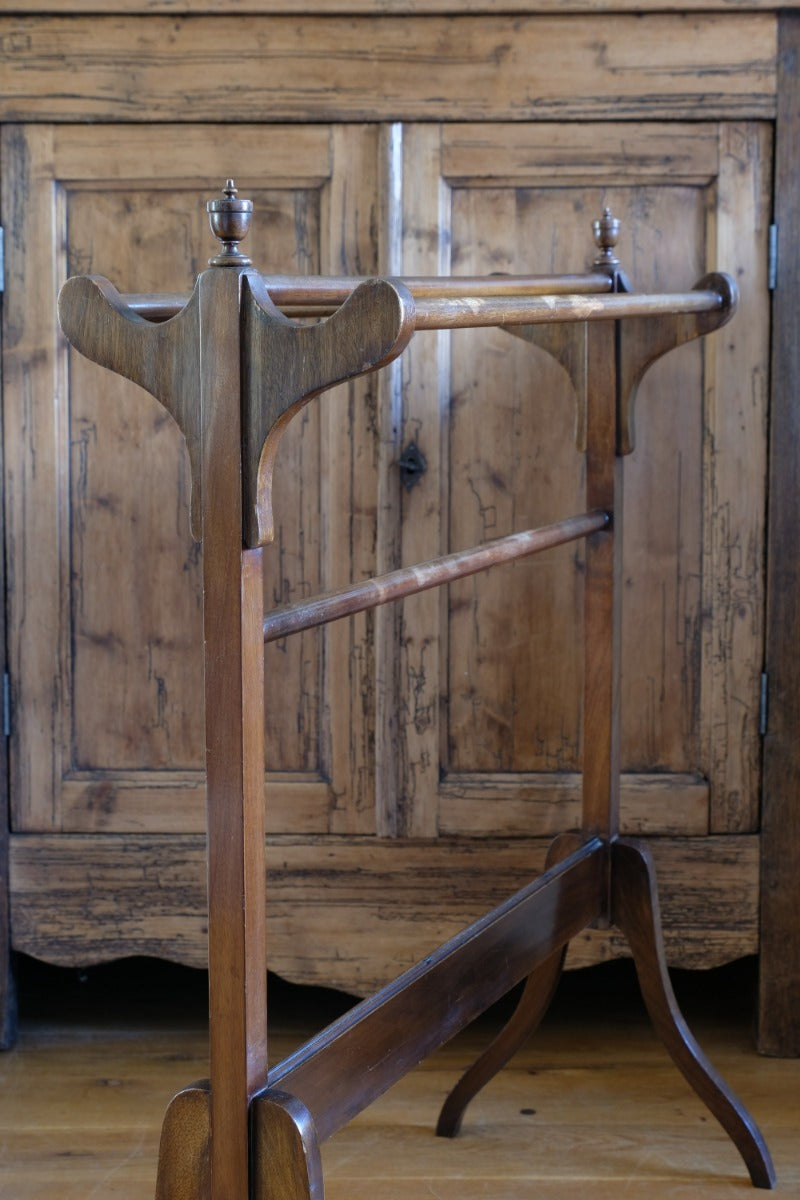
{"x":566,"y":344}
{"x":286,"y":365}
{"x":642,"y":340}
{"x":162,"y":358}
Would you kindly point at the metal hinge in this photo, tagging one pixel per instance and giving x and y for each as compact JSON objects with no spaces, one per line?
{"x":763,"y":703}
{"x":2,"y":259}
{"x":772,"y":268}
{"x":6,"y":704}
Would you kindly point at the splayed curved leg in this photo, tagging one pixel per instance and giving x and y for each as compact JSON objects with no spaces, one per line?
{"x":635,"y":911}
{"x":533,"y":1004}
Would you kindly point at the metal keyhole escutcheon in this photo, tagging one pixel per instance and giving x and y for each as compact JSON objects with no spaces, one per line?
{"x":412,"y":465}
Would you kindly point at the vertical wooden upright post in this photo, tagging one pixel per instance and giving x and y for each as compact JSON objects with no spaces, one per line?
{"x":602,"y":595}
{"x":602,"y":599}
{"x":234,"y":688}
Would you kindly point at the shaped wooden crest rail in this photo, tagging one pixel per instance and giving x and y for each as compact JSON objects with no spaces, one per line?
{"x":233,"y":367}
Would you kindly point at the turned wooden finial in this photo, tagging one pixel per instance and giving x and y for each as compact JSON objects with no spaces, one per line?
{"x":606,"y":235}
{"x":229,"y":219}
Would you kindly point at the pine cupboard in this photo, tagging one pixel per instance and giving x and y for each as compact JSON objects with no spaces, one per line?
{"x":426,"y":752}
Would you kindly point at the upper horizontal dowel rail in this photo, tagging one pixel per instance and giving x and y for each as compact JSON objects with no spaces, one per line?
{"x":407,"y":581}
{"x":456,"y":305}
{"x":472,"y":312}
{"x":317,"y":295}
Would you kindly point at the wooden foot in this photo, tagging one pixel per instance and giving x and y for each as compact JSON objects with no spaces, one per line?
{"x":534,"y":1002}
{"x":184,"y":1158}
{"x":285,"y":1158}
{"x":635,"y":911}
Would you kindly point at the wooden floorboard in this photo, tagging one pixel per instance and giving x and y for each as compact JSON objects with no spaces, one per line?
{"x":591,"y":1107}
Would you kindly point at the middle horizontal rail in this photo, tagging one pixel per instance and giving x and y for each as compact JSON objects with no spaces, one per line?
{"x":407,"y":581}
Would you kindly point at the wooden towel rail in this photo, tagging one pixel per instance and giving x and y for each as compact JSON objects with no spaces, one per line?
{"x":233,"y":367}
{"x":407,"y":581}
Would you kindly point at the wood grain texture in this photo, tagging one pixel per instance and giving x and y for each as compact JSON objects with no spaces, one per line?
{"x":735,"y":484}
{"x":8,"y":1022}
{"x":779,"y":1028}
{"x":290,"y":364}
{"x":177,"y":8}
{"x":591,"y":1103}
{"x":286,"y":1160}
{"x":234,"y":717}
{"x":635,"y":909}
{"x":184,"y":1166}
{"x":513,"y":686}
{"x":356,"y":1059}
{"x":498,"y":67}
{"x":602,"y":591}
{"x":91,"y":899}
{"x":118,"y":685}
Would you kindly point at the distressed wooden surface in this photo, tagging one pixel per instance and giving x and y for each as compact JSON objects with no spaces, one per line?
{"x":86,"y":898}
{"x":179,"y":8}
{"x":780,"y":816}
{"x":477,"y":68}
{"x":512,"y":684}
{"x":118,"y":685}
{"x":591,"y":1102}
{"x":166,"y":68}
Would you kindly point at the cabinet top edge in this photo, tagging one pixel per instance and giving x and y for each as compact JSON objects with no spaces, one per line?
{"x":387,"y":8}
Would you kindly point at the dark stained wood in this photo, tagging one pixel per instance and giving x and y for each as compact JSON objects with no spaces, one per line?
{"x":634,"y":908}
{"x":286,"y":365}
{"x":472,"y":313}
{"x":534,"y":1002}
{"x":184,"y":1158}
{"x":537,"y":996}
{"x":234,"y":688}
{"x":256,"y":370}
{"x":407,"y":581}
{"x":779,"y":1000}
{"x":163,"y":359}
{"x":602,"y":591}
{"x":502,"y":305}
{"x":286,"y":1159}
{"x":357,"y":1058}
{"x":306,"y":295}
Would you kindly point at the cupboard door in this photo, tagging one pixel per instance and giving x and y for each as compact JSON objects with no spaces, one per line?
{"x":104,"y":576}
{"x":490,"y":677}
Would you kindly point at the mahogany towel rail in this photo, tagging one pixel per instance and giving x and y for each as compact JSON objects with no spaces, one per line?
{"x":233,"y":367}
